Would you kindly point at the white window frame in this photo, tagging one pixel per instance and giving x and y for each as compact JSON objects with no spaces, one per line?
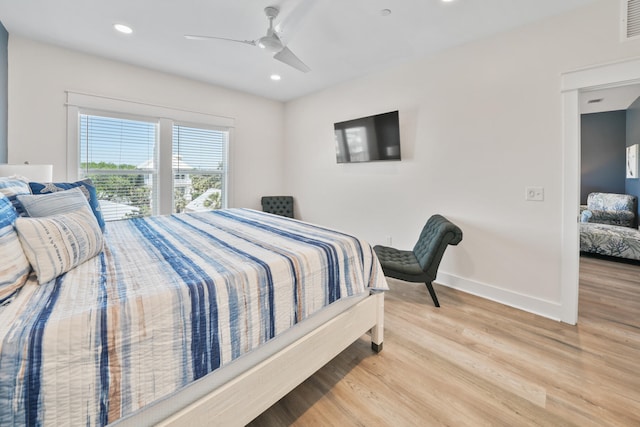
{"x":82,"y":103}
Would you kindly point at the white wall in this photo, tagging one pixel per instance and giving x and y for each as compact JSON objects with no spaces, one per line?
{"x":479,"y":123}
{"x":39,"y":75}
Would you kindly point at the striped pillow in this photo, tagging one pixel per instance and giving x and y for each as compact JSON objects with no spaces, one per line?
{"x":87,"y":187}
{"x":53,"y":203}
{"x":56,"y":244}
{"x":14,"y":267}
{"x":11,"y":187}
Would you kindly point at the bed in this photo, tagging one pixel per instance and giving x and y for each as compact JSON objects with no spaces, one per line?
{"x":183,"y":318}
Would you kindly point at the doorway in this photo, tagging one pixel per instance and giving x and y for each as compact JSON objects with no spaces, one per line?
{"x":573,"y":84}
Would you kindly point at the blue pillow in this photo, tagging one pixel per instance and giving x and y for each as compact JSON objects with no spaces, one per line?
{"x":8,"y":214}
{"x":86,"y":185}
{"x":586,"y":215}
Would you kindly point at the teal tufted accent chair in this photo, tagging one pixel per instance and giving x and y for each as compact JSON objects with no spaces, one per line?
{"x":421,"y":264}
{"x":279,"y":205}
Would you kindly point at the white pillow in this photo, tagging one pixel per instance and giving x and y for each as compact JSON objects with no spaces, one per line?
{"x":53,"y":203}
{"x":14,"y":267}
{"x":56,"y":244}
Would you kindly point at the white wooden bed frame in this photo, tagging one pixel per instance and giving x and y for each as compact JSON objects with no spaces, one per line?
{"x":242,"y":399}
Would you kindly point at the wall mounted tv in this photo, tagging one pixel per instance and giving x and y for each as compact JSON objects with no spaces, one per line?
{"x":368,"y":139}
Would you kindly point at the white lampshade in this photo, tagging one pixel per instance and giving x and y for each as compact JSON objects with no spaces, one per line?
{"x":39,"y":173}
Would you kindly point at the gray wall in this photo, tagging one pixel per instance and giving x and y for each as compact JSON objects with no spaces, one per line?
{"x":4,"y":39}
{"x":603,"y":153}
{"x":633,"y":137}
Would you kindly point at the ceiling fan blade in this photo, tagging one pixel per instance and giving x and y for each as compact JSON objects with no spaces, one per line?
{"x":196,"y":37}
{"x":290,"y":24}
{"x":286,"y":56}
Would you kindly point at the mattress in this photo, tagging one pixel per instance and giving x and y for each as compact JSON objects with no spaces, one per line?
{"x":170,"y":300}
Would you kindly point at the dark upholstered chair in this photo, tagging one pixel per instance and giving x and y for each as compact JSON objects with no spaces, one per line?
{"x":279,"y":205}
{"x":421,"y":263}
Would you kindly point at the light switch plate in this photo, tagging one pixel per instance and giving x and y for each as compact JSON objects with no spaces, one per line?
{"x":535,"y":194}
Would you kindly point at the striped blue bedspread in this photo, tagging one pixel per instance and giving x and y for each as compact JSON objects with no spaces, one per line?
{"x":169,"y":300}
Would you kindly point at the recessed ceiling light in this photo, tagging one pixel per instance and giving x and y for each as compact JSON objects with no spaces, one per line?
{"x":124,"y":29}
{"x":385,"y":12}
{"x":275,"y":77}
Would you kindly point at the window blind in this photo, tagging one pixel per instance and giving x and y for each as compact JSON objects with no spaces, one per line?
{"x":118,"y":155}
{"x":199,"y":161}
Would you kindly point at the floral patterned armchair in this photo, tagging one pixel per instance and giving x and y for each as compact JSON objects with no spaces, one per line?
{"x":612,"y":209}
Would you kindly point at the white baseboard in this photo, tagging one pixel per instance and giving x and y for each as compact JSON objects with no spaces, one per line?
{"x":549,"y":309}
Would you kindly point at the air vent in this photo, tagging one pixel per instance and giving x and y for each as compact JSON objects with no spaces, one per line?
{"x":631,"y":19}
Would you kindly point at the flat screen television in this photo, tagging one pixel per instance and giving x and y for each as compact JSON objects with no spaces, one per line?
{"x":368,"y":139}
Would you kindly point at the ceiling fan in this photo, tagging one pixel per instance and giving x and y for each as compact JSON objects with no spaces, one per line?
{"x":271,"y":42}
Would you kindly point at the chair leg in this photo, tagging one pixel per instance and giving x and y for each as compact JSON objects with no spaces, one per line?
{"x":433,"y":294}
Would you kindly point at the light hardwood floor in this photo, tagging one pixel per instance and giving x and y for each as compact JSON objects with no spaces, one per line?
{"x":474,"y":362}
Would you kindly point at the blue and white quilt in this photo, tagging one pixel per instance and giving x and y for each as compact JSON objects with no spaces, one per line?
{"x":169,"y":300}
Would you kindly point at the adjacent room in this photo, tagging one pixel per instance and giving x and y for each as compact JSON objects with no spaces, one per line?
{"x":609,"y":180}
{"x":226,"y":212}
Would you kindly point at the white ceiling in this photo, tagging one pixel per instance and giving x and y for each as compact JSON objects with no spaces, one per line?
{"x":338,"y":39}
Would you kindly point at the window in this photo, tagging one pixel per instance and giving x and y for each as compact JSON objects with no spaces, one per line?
{"x":142,"y":164}
{"x":199,"y":168}
{"x":118,"y":156}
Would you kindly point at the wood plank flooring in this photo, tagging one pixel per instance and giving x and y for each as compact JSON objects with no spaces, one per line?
{"x":474,"y":362}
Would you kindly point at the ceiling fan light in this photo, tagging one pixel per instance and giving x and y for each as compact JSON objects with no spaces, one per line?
{"x":271,"y":44}
{"x":122,"y":28}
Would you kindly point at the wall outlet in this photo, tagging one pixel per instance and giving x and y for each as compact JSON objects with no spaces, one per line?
{"x":534,"y":194}
{"x":388,"y":241}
